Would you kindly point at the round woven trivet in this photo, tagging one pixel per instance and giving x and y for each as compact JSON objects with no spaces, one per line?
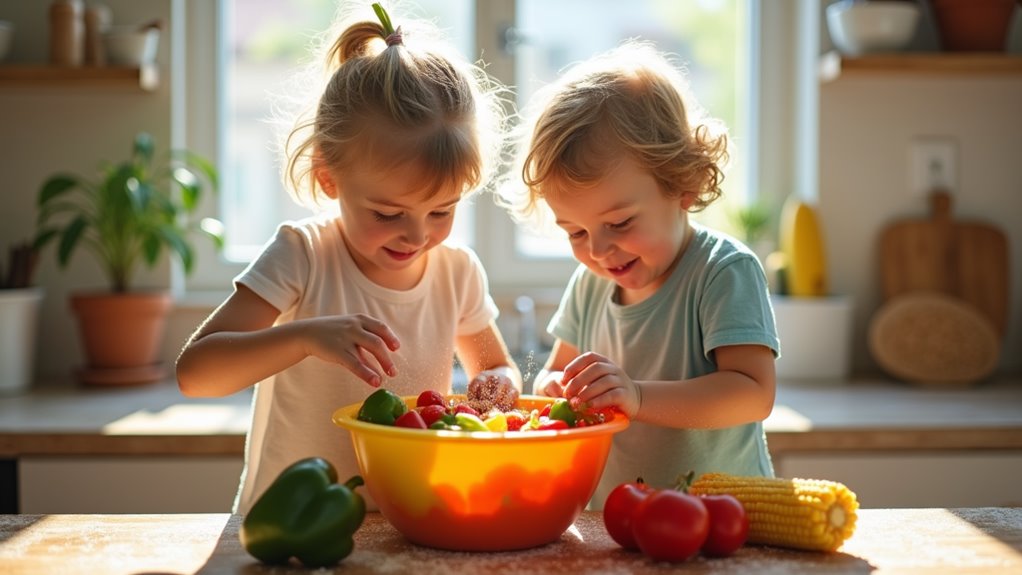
{"x":933,"y":339}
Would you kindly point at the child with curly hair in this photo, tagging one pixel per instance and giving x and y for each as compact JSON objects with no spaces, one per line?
{"x":665,"y":319}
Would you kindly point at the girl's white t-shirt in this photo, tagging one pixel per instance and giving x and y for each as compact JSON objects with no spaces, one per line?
{"x":306,"y":271}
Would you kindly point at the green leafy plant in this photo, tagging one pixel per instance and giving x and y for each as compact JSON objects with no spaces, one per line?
{"x":130,"y":213}
{"x":751,"y":221}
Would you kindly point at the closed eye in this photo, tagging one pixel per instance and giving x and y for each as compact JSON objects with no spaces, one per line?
{"x":440,"y":214}
{"x":622,"y":225}
{"x":382,"y":217}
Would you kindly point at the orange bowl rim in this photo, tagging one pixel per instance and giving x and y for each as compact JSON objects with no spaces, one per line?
{"x":346,"y":417}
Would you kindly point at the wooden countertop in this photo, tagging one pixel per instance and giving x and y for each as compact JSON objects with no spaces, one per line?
{"x":66,"y":419}
{"x":920,"y":541}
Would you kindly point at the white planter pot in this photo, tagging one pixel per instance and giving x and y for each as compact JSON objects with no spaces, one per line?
{"x":19,"y":319}
{"x":816,"y":337}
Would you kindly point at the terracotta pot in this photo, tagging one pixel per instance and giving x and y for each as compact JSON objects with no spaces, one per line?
{"x":121,"y":334}
{"x":973,"y":25}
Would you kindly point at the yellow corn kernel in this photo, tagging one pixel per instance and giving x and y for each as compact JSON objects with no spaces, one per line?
{"x":813,"y":514}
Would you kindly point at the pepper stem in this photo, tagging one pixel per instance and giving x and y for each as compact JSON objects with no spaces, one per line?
{"x":355,"y":481}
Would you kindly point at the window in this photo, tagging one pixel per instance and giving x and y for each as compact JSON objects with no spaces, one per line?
{"x":260,"y":43}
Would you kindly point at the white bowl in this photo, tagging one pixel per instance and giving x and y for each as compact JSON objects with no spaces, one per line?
{"x":130,"y":46}
{"x":6,"y":38}
{"x":870,"y":27}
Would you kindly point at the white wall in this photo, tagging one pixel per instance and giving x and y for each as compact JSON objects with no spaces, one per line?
{"x":51,"y":128}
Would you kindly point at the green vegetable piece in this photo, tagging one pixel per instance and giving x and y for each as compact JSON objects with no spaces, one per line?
{"x":439,"y":424}
{"x":382,"y":406}
{"x":304,"y":514}
{"x":469,"y":422}
{"x":562,"y":410}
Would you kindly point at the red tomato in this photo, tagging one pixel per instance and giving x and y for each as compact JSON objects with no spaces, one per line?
{"x":619,"y":509}
{"x":412,"y":419}
{"x":729,"y":525}
{"x":430,"y":397}
{"x":515,"y":420}
{"x":431,"y":413}
{"x":670,"y":525}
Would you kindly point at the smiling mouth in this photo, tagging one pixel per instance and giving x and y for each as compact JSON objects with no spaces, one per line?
{"x":400,"y":256}
{"x":621,"y":270}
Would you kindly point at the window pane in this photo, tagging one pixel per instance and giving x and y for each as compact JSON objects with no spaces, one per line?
{"x":267,"y":40}
{"x":703,"y":34}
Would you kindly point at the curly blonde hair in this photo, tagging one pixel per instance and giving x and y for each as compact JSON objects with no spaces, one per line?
{"x":385,"y":103}
{"x":629,"y":102}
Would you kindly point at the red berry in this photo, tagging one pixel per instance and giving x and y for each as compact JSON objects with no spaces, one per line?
{"x":515,"y":420}
{"x":430,"y":397}
{"x":411,"y":419}
{"x":431,"y":413}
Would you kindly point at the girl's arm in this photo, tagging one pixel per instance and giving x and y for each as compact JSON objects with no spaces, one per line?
{"x":484,"y":354}
{"x":238,"y":346}
{"x":740,"y":391}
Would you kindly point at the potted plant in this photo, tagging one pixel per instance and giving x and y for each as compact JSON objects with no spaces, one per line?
{"x":19,"y":317}
{"x":127,"y":218}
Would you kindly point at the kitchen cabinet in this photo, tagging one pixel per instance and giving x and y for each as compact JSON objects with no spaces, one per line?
{"x":834,"y":65}
{"x":145,"y":78}
{"x":146,"y":484}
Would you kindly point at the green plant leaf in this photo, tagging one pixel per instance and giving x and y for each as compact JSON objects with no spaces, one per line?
{"x":43,"y":237}
{"x":191,"y":188}
{"x":56,"y":186}
{"x":69,"y":239}
{"x":173,"y":238}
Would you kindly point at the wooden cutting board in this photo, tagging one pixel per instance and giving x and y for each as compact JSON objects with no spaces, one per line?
{"x":967,"y":260}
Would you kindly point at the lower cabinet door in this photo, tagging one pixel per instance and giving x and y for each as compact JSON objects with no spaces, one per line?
{"x":128,"y":484}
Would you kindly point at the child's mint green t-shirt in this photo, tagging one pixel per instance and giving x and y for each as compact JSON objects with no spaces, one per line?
{"x":716,"y":296}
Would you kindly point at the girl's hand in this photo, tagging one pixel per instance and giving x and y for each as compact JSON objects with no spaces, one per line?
{"x":350,"y":340}
{"x":595,"y":380}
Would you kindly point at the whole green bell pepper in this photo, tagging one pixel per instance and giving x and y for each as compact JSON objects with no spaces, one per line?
{"x":304,"y":514}
{"x":382,"y":406}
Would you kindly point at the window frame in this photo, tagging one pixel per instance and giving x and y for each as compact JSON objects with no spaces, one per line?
{"x":781,"y":78}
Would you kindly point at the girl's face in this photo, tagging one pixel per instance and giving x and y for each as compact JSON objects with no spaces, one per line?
{"x":388,"y":222}
{"x":624,"y":229}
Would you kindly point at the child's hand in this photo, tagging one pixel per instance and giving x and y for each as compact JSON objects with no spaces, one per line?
{"x":549,"y":384}
{"x":598,"y":382}
{"x":348,"y":340}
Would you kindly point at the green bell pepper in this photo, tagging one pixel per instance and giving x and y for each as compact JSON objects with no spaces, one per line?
{"x":561,"y":409}
{"x":304,"y":514}
{"x":382,"y":406}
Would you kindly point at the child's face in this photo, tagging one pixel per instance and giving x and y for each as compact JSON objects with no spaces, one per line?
{"x":390,"y":224}
{"x":624,"y":229}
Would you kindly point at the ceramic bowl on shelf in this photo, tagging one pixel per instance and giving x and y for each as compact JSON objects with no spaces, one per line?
{"x":6,"y":38}
{"x":131,"y":46}
{"x":873,"y":26}
{"x":480,"y":490}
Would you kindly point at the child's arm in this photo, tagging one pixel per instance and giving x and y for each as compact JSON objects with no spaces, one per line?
{"x":484,"y":355}
{"x":238,"y":346}
{"x":740,"y":391}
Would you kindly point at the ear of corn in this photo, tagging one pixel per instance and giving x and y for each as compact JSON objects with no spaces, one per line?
{"x":811,"y":514}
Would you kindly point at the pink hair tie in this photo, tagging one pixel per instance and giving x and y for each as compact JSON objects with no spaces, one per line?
{"x":394,"y":38}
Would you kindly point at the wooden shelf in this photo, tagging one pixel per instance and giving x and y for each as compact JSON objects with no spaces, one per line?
{"x":145,"y":78}
{"x":834,"y":65}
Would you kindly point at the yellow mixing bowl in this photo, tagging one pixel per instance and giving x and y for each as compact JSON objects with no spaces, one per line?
{"x":480,"y":491}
